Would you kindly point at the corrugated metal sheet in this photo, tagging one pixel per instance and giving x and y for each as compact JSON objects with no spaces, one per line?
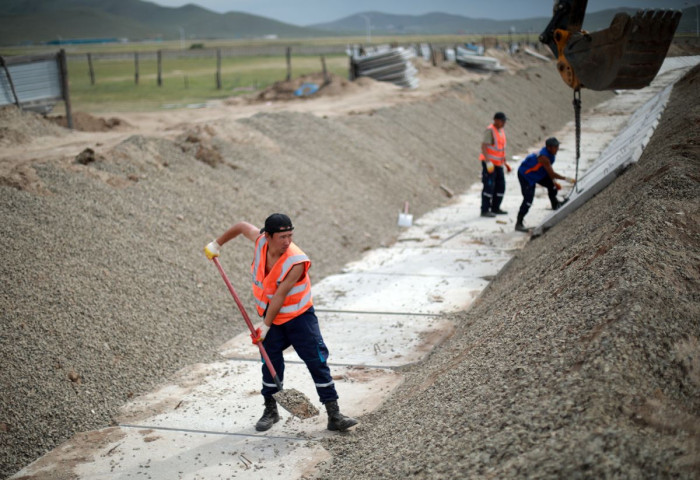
{"x":34,"y":82}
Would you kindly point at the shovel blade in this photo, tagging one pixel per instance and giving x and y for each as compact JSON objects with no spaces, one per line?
{"x":296,"y":403}
{"x":627,"y":55}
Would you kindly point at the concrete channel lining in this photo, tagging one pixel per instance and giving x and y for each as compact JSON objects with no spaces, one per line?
{"x":383,"y":312}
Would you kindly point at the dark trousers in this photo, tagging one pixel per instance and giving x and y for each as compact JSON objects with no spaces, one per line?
{"x":528,"y":191}
{"x":494,"y":188}
{"x":303,"y":334}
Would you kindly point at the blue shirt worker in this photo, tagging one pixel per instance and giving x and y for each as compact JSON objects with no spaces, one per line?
{"x":493,"y":160}
{"x":535,"y":170}
{"x":282,"y":291}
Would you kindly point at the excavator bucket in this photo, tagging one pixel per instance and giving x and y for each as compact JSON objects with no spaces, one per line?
{"x":627,"y":55}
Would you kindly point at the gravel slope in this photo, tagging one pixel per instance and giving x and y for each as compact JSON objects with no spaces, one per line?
{"x":582,"y":359}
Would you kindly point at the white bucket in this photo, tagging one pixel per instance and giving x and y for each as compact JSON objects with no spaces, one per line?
{"x":405,"y":218}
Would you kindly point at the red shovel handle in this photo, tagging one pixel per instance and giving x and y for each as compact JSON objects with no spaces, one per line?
{"x":247,"y":321}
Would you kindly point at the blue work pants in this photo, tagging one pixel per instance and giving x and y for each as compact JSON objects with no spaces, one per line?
{"x":494,"y":188}
{"x":528,"y":191}
{"x":304,"y":335}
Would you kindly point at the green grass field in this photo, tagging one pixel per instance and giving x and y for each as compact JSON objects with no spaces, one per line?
{"x":184,"y":80}
{"x":192,"y":80}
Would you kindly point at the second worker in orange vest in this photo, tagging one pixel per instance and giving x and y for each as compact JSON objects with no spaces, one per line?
{"x":493,"y":160}
{"x":282,"y":290}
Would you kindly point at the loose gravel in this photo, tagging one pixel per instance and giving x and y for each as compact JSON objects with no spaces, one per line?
{"x":582,"y":359}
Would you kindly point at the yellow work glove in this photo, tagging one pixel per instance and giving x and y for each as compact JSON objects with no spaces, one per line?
{"x":212,"y":250}
{"x":571,"y":180}
{"x":490,"y":167}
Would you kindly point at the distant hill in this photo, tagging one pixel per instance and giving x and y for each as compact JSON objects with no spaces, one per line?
{"x":444,"y":24}
{"x":35,"y":21}
{"x":427,"y":24}
{"x":38,"y":21}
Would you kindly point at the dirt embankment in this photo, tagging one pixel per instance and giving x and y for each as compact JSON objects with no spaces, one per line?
{"x":107,"y":292}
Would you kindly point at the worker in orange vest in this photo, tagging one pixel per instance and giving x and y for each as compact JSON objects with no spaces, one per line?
{"x":282,"y":291}
{"x":493,"y":160}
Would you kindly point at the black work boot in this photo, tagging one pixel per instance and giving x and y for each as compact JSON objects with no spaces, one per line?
{"x":269,"y":417}
{"x":519,"y":225}
{"x":336,"y":420}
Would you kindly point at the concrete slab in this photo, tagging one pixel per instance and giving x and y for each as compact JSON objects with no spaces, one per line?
{"x":225,"y":397}
{"x":448,"y":261}
{"x":196,"y":455}
{"x":407,"y":294}
{"x":118,"y":453}
{"x":202,"y":426}
{"x":363,"y":339}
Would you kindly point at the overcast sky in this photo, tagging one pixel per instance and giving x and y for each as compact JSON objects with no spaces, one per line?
{"x":307,"y":12}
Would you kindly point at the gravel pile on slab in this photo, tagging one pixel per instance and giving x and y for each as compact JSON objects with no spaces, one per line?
{"x":106,"y":291}
{"x":582,"y":359}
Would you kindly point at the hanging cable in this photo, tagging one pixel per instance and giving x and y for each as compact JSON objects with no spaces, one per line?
{"x":577,"y":121}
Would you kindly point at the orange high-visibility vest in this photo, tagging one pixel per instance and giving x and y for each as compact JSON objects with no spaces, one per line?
{"x":298,"y":300}
{"x":496,"y":153}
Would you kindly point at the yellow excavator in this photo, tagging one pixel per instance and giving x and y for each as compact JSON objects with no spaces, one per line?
{"x":626,"y":55}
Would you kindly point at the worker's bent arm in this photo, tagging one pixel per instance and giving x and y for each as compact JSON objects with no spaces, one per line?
{"x":483,"y":149}
{"x":251,"y":232}
{"x":273,"y":308}
{"x":548,"y":167}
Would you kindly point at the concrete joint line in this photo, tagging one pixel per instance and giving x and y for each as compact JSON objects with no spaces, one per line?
{"x":208,"y":432}
{"x":358,"y":312}
{"x":399,"y":274}
{"x":332,"y":364}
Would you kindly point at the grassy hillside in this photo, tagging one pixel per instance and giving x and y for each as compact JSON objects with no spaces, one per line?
{"x":36,"y":21}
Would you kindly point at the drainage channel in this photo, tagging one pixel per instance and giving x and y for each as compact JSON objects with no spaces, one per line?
{"x":388,"y":309}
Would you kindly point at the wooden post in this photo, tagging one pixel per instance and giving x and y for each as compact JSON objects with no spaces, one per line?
{"x":218,"y":69}
{"x":90,"y":69}
{"x":136,"y":68}
{"x":326,"y":79}
{"x":289,"y":63}
{"x":160,"y":68}
{"x":63,"y":68}
{"x":432,"y":55}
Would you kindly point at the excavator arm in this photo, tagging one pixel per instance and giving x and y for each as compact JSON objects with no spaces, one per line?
{"x":626,"y":55}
